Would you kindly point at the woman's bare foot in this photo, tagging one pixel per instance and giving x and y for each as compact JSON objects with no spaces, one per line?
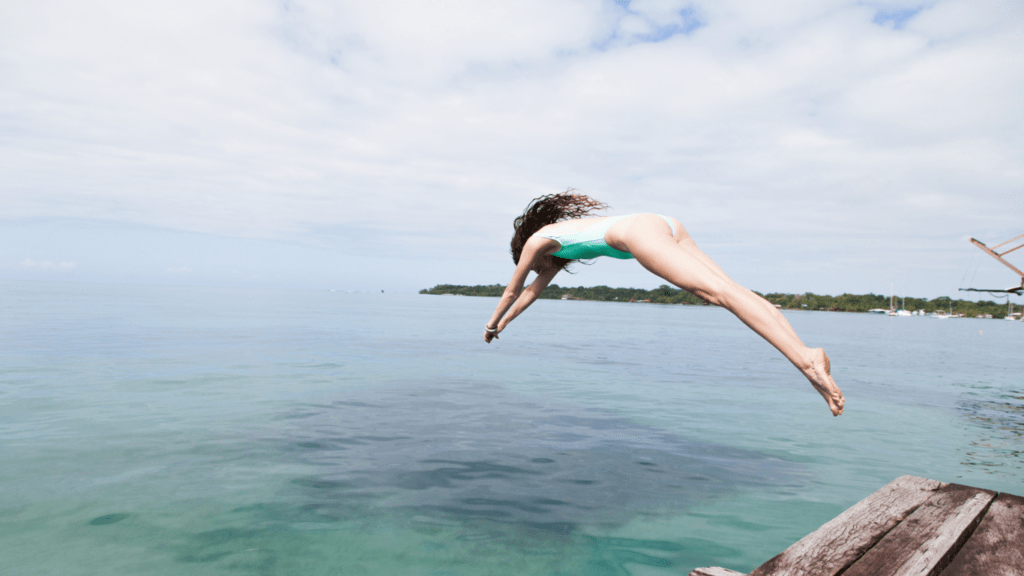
{"x":820,"y":374}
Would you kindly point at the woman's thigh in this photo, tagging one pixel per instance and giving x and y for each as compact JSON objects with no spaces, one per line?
{"x":682,"y":237}
{"x":667,"y":259}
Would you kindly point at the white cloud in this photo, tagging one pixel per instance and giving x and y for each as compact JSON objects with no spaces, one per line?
{"x":180,"y":270}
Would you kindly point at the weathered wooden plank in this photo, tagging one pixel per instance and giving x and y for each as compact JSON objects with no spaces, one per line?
{"x":997,"y":547}
{"x":926,"y":541}
{"x":842,"y":540}
{"x":715,"y":571}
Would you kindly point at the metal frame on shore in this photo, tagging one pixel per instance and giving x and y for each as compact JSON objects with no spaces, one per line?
{"x":999,"y":256}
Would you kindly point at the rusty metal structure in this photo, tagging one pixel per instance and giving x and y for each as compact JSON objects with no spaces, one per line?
{"x":999,"y":256}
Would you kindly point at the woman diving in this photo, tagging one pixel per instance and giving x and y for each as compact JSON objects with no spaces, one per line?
{"x":558,"y":229}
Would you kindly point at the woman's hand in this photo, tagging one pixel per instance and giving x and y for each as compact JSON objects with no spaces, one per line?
{"x":489,"y":335}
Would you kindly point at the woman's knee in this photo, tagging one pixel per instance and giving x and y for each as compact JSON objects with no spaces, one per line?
{"x":715,"y":291}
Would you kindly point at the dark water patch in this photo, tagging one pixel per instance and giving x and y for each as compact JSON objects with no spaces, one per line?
{"x":192,"y":558}
{"x":325,"y":366}
{"x":997,"y":420}
{"x":550,"y":502}
{"x":296,"y":415}
{"x":326,"y":443}
{"x":224,"y":536}
{"x":318,"y":484}
{"x":108,"y":519}
{"x":454,"y":471}
{"x":347,"y":441}
{"x":465,"y":513}
{"x":265,"y":508}
{"x":547,"y":528}
{"x":531,"y":507}
{"x":453,"y":452}
{"x":311,"y":445}
{"x":284,"y":515}
{"x":352,"y":404}
{"x":320,"y":443}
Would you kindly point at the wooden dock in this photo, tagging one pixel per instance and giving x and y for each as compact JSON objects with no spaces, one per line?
{"x":911,"y":526}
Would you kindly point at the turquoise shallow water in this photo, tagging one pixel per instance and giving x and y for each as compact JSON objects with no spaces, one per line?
{"x":168,"y":430}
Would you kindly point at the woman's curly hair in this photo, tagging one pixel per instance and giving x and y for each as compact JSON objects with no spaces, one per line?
{"x":548,"y":210}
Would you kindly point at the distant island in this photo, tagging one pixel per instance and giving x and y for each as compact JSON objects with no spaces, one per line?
{"x":665,"y":294}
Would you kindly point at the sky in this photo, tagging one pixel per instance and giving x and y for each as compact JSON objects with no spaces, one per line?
{"x":823,"y":146}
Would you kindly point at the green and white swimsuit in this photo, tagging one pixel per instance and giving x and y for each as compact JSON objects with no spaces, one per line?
{"x":590,"y":243}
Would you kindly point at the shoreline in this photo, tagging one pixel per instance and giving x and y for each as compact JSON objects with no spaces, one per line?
{"x":857,"y":303}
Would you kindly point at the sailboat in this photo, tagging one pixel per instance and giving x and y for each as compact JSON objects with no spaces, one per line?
{"x":942,"y":315}
{"x":903,"y":309}
{"x":892,"y":306}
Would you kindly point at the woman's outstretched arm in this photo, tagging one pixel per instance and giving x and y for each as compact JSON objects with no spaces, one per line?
{"x":518,"y":304}
{"x":514,"y":300}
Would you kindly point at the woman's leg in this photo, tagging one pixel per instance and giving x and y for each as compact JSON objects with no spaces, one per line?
{"x":683,"y":239}
{"x":684,"y":265}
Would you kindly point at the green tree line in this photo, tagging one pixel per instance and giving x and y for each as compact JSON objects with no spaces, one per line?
{"x":665,"y":294}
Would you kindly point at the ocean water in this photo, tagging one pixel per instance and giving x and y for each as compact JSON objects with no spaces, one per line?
{"x":171,"y":430}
